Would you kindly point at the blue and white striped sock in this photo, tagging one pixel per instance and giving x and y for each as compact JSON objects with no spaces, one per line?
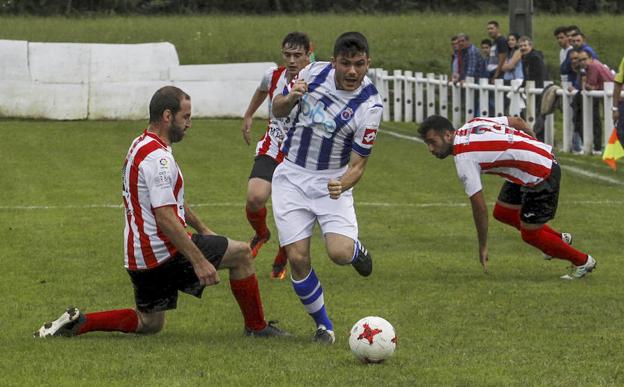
{"x":310,"y":293}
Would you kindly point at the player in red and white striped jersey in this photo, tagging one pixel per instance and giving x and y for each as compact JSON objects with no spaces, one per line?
{"x":507,"y":147}
{"x":162,"y":259}
{"x":296,"y":55}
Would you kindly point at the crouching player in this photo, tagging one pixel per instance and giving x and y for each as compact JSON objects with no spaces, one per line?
{"x":507,"y":147}
{"x":160,"y":257}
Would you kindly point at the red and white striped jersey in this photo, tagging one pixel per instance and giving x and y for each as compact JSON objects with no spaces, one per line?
{"x":274,"y":82}
{"x":490,"y":145}
{"x":151,"y":179}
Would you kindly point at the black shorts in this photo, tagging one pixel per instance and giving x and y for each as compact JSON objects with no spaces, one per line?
{"x":156,"y":290}
{"x":539,"y":203}
{"x":263,"y":167}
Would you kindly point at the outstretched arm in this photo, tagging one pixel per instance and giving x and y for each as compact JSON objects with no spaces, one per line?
{"x":256,"y":100}
{"x":354,"y":172}
{"x":480,"y":215}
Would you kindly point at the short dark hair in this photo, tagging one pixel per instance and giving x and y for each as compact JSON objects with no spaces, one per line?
{"x":166,"y":98}
{"x":297,"y":39}
{"x":486,"y":41}
{"x":561,"y":30}
{"x":350,"y":44}
{"x":493,"y":22}
{"x":438,"y":123}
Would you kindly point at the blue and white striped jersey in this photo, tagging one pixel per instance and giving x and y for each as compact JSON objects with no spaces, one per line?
{"x":331,"y":123}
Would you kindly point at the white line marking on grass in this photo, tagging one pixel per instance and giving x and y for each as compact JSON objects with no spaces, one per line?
{"x":593,"y":175}
{"x":362,"y":204}
{"x":578,"y":171}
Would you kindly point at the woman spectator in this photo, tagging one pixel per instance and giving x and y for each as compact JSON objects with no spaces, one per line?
{"x":512,"y":68}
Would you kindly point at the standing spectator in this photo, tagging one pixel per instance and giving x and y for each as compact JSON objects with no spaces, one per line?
{"x":574,"y":77}
{"x":579,"y":41}
{"x":596,"y":74}
{"x":618,"y":104}
{"x":454,"y":59}
{"x":470,"y":58}
{"x":532,"y":62}
{"x":498,"y":51}
{"x":561,"y":34}
{"x":486,"y":44}
{"x":512,"y":68}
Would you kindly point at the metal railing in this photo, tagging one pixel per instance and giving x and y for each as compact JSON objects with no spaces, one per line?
{"x":410,"y":97}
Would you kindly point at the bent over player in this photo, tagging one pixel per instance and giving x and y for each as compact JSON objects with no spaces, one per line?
{"x":160,"y":257}
{"x":507,"y":147}
{"x":296,"y":54}
{"x":338,"y":111}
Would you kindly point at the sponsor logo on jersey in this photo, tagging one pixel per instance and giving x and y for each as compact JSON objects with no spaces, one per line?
{"x":370,"y":135}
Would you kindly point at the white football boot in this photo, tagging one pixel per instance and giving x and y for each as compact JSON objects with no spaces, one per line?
{"x":581,"y":270}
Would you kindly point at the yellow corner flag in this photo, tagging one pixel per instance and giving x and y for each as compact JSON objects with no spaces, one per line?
{"x":613,"y":150}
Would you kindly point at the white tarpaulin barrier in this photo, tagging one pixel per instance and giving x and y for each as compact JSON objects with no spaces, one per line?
{"x":115,"y":81}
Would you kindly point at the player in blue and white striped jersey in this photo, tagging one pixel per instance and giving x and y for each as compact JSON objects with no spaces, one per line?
{"x":338,"y":111}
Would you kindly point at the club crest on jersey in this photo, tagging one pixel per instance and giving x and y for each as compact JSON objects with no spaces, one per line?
{"x":370,"y":135}
{"x":346,"y":113}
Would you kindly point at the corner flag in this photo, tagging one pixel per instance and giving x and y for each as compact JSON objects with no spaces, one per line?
{"x":613,"y":150}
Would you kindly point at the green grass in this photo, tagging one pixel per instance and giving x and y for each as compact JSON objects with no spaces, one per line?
{"x":413,"y":41}
{"x":519,"y":325}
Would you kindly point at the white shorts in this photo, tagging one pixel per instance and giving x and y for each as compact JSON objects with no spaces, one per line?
{"x":300,"y":198}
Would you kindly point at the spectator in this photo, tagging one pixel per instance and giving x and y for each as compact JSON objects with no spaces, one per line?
{"x":486,"y":44}
{"x":469,"y":58}
{"x":512,"y":68}
{"x":579,"y":41}
{"x":618,"y":104}
{"x":532,"y":62}
{"x":498,"y":51}
{"x":561,"y":34}
{"x":574,"y":77}
{"x":596,"y":74}
{"x":454,"y":59}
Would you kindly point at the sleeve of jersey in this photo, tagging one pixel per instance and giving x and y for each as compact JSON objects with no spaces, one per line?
{"x":366,"y":134}
{"x":469,"y":174}
{"x":265,"y":83}
{"x":158,"y":173}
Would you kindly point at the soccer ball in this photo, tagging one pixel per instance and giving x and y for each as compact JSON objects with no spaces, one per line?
{"x":372,"y":340}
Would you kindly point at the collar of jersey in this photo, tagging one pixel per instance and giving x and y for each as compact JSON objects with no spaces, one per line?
{"x":156,"y":138}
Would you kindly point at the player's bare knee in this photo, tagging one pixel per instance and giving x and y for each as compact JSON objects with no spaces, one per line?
{"x":150,"y":323}
{"x":255,"y":201}
{"x":241,"y":252}
{"x":341,"y":254}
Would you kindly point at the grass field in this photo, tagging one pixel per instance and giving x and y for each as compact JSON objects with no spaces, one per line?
{"x":61,"y":233}
{"x":414,"y":41}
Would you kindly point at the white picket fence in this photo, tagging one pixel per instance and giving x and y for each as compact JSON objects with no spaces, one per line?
{"x":411,"y":97}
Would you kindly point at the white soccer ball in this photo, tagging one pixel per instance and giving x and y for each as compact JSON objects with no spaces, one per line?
{"x":372,"y":339}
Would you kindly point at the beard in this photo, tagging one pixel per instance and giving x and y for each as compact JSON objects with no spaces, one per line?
{"x":176,"y":133}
